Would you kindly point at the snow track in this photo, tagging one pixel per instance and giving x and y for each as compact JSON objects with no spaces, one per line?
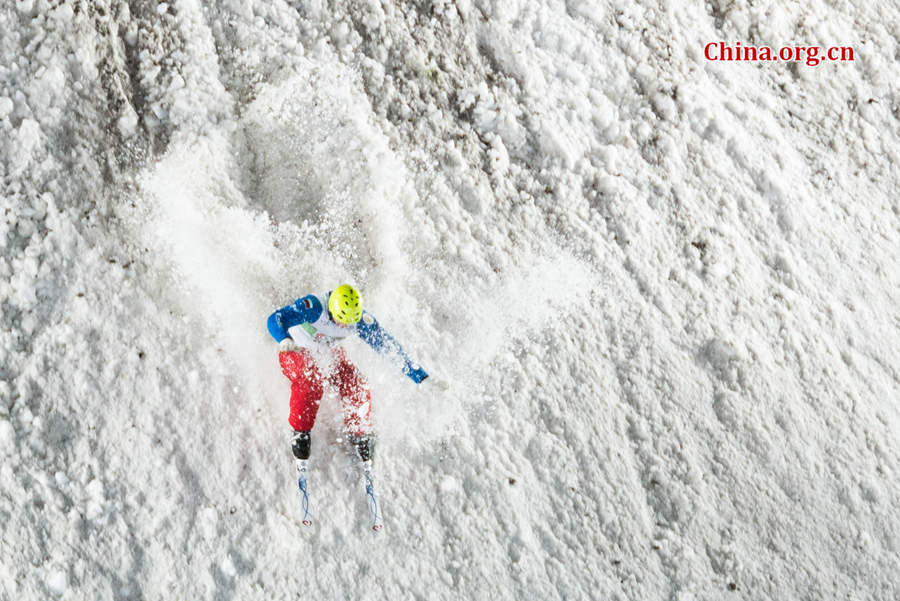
{"x":665,"y":291}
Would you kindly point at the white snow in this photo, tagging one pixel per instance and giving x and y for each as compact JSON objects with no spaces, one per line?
{"x":6,"y":107}
{"x":664,"y":291}
{"x":57,"y":582}
{"x":128,"y":122}
{"x":7,"y":438}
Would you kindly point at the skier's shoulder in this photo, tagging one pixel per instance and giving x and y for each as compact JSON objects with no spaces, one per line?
{"x":305,"y":308}
{"x":370,"y":330}
{"x":309,"y":302}
{"x":366,"y":322}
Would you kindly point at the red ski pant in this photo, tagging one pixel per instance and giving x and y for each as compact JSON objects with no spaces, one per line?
{"x":307,"y":386}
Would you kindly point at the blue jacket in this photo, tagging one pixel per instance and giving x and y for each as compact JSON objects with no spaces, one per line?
{"x":309,"y":324}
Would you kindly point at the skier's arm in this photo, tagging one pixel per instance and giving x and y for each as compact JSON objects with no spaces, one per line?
{"x":379,"y":339}
{"x":303,"y":310}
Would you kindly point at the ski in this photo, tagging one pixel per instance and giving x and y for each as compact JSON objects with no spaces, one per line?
{"x":371,"y":498}
{"x":303,"y":484}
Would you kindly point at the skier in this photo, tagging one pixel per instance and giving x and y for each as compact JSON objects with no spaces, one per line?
{"x":308,"y":331}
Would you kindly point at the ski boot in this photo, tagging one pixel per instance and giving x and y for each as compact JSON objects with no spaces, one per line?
{"x":365,"y":448}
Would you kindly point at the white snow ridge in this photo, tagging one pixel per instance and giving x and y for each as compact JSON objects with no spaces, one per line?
{"x":664,"y":290}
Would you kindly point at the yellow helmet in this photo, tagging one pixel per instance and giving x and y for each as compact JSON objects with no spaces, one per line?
{"x":345,"y":304}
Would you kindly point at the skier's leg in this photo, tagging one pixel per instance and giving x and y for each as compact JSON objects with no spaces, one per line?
{"x":306,"y":392}
{"x":356,"y":401}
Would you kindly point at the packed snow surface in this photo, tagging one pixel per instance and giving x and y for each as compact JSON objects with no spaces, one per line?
{"x":665,"y":291}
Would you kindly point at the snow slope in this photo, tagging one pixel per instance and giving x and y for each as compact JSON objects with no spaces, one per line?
{"x":665,"y":291}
